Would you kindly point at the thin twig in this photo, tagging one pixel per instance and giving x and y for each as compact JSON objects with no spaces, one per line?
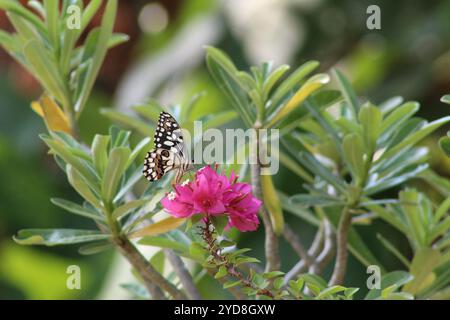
{"x":340,"y":265}
{"x":313,"y":251}
{"x":232,"y":270}
{"x":183,"y":274}
{"x":271,"y":241}
{"x":327,"y":252}
{"x":294,"y":240}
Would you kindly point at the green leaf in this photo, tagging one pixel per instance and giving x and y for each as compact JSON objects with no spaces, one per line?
{"x":397,"y":278}
{"x":158,"y":261}
{"x":222,"y":272}
{"x":386,"y":183}
{"x":272,"y":274}
{"x":422,"y":266}
{"x":52,"y":19}
{"x":45,"y":70}
{"x":347,"y":91}
{"x":311,"y":85}
{"x":415,"y":137}
{"x":95,"y":247}
{"x":137,"y":150}
{"x":116,"y":166}
{"x":197,"y":251}
{"x":444,"y":143}
{"x":274,"y":77}
{"x":101,"y":48}
{"x":77,"y":209}
{"x":298,"y":211}
{"x":317,"y":168}
{"x":410,"y":200}
{"x":17,"y":8}
{"x":53,"y":237}
{"x":309,"y":200}
{"x":219,"y":222}
{"x":163,"y":241}
{"x":392,"y":103}
{"x":446,"y":99}
{"x":77,"y":181}
{"x":80,"y":165}
{"x":224,"y":73}
{"x":142,"y":127}
{"x":126,"y":208}
{"x":370,"y":117}
{"x":397,"y":117}
{"x":100,"y":153}
{"x":326,"y":293}
{"x":349,"y":292}
{"x":231,"y":284}
{"x":292,"y":82}
{"x":354,"y":151}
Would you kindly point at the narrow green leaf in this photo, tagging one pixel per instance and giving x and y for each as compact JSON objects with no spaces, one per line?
{"x":77,"y":209}
{"x":117,"y":161}
{"x":105,"y":33}
{"x":370,"y":117}
{"x":347,"y":91}
{"x":95,"y":247}
{"x":126,"y":208}
{"x":52,"y":20}
{"x":100,"y":153}
{"x":309,"y":200}
{"x":354,"y":151}
{"x":446,"y":99}
{"x":398,"y":278}
{"x":415,"y":137}
{"x":53,"y":237}
{"x":77,"y":181}
{"x":444,"y":143}
{"x":292,"y":82}
{"x":163,"y":242}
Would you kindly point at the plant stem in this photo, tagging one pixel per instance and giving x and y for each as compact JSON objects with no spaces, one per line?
{"x":271,"y":241}
{"x":313,"y":251}
{"x":153,"y":280}
{"x":183,"y":274}
{"x":232,"y":270}
{"x":327,"y":252}
{"x":340,"y":265}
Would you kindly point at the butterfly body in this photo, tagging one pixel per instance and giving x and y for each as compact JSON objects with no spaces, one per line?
{"x":169,"y":152}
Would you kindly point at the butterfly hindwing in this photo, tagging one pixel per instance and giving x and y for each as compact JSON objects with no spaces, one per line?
{"x":157,"y":163}
{"x":169,"y":149}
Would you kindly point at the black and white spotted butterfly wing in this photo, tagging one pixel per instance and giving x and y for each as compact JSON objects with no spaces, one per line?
{"x":169,"y":149}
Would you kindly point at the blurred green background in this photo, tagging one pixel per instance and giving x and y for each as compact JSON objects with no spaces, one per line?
{"x":164,"y":59}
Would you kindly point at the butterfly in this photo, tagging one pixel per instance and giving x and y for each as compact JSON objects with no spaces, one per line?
{"x":169,"y":152}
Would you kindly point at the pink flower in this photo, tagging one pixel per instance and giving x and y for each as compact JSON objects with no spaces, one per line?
{"x":213,"y":194}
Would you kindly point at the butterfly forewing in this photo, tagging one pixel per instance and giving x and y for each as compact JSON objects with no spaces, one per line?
{"x":168,"y":153}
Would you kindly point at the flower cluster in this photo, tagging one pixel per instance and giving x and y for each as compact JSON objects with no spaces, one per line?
{"x":214,"y":194}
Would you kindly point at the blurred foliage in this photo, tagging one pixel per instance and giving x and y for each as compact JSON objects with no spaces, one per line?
{"x":410,"y":57}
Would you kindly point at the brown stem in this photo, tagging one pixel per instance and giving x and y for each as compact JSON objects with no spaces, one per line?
{"x":183,"y":274}
{"x":340,"y":265}
{"x":313,"y":251}
{"x":153,"y":280}
{"x":232,"y":270}
{"x":271,"y":241}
